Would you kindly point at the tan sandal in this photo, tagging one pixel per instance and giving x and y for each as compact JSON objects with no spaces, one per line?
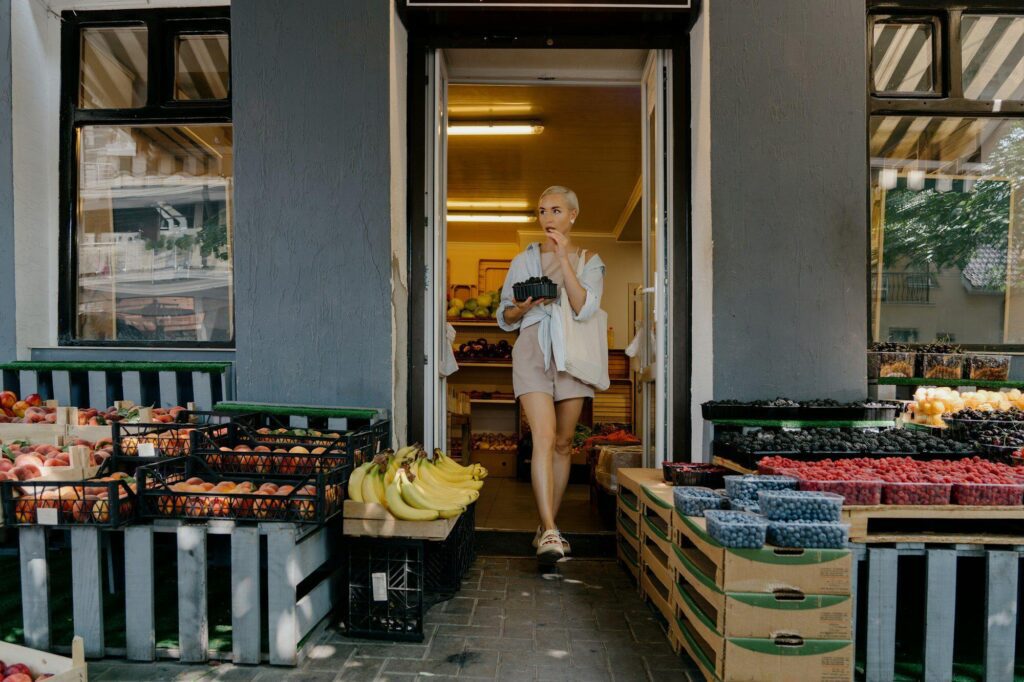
{"x":549,"y":549}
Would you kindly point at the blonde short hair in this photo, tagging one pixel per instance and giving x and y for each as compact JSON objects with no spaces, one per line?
{"x":570,"y":196}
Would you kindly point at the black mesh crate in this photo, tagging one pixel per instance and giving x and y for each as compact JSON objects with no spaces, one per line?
{"x":381,"y":432}
{"x":211,"y":438}
{"x":180,"y":488}
{"x":231,"y":449}
{"x":448,"y":560}
{"x":385,"y":589}
{"x":89,"y":502}
{"x":168,"y":439}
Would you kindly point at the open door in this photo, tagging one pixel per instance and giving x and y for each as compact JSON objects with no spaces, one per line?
{"x":655,"y":388}
{"x":435,"y":225}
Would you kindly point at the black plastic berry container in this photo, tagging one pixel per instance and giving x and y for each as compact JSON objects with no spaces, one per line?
{"x":537,"y":290}
{"x":693,"y":474}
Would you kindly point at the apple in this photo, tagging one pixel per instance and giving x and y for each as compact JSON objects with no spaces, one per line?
{"x":19,"y":408}
{"x":33,"y":399}
{"x":8,"y":398}
{"x":16,"y":668}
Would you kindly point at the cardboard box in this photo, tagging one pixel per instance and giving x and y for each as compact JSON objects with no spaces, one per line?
{"x":779,"y":659}
{"x":769,"y":569}
{"x":498,"y":464}
{"x":762,"y":615}
{"x":628,"y":506}
{"x":628,"y":530}
{"x":656,"y":591}
{"x":657,"y":502}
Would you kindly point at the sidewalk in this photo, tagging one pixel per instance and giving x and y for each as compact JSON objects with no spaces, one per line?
{"x":509,"y":622}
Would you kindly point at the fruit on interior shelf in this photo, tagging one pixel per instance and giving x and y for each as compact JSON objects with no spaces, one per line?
{"x":504,"y":442}
{"x":482,"y":307}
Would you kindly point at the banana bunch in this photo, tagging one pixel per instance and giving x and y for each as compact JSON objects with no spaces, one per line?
{"x":415,"y":488}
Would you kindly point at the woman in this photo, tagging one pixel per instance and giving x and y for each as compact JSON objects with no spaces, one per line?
{"x":550,"y":397}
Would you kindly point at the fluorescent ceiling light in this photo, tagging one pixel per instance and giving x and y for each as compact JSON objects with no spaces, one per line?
{"x":493,"y":128}
{"x":491,"y":218}
{"x":490,"y":109}
{"x":888,"y":178}
{"x":488,"y":205}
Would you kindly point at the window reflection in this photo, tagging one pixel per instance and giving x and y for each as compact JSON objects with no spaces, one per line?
{"x":902,"y":56}
{"x":946,"y":237}
{"x":992,"y":54}
{"x":114,"y":68}
{"x":154,"y":233}
{"x":201,"y":70}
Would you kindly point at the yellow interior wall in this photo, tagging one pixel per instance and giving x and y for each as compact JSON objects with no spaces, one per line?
{"x":464,"y":259}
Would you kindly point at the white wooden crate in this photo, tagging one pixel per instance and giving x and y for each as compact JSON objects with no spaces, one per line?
{"x":63,"y":669}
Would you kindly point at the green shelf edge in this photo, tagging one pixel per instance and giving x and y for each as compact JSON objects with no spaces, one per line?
{"x":235,"y":407}
{"x":953,"y":383}
{"x":803,"y":424}
{"x":94,"y":366}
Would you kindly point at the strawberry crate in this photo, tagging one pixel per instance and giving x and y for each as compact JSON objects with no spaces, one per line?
{"x":188,"y":488}
{"x":86,"y":502}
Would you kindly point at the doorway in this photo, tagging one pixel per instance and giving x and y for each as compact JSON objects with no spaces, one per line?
{"x":599,"y":123}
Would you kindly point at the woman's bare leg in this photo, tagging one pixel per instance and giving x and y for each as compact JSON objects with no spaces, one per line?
{"x":567,"y":415}
{"x":540,"y":412}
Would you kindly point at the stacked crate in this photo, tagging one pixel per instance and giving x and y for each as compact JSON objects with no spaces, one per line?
{"x":656,"y":510}
{"x":627,"y":521}
{"x":770,"y":614}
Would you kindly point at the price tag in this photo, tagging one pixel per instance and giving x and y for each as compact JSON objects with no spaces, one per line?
{"x":147,"y":450}
{"x":380,"y":585}
{"x":46,"y":516}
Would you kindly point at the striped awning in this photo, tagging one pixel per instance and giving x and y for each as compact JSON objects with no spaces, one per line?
{"x":992,"y":54}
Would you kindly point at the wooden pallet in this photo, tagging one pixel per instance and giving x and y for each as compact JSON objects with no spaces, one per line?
{"x":945,"y":524}
{"x":732,"y":466}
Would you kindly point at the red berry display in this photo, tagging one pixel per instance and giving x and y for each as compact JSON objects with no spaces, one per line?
{"x":861,"y":480}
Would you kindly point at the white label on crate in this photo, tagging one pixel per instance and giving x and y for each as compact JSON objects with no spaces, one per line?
{"x":46,"y":516}
{"x":147,"y":450}
{"x":380,"y":585}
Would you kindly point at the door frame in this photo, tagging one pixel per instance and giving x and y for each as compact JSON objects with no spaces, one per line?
{"x":421,"y":41}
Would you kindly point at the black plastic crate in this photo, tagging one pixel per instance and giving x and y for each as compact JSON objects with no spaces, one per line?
{"x":169,"y":439}
{"x":229,"y":450}
{"x":73,"y":503}
{"x":381,"y":435}
{"x":385,"y":589}
{"x":161,"y":497}
{"x":448,"y":560}
{"x":213,"y":438}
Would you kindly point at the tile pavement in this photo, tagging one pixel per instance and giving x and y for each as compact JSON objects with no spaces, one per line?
{"x":510,"y":622}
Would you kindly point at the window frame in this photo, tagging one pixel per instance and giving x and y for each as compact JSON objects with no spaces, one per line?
{"x":939,"y":80}
{"x":163,"y":26}
{"x":951,"y":102}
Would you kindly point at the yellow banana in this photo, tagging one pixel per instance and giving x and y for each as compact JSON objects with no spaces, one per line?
{"x":421,"y":499}
{"x":373,"y":484}
{"x":438,"y":479}
{"x":392,"y":469}
{"x":446,"y":462}
{"x":441,"y":490}
{"x":451,"y":514}
{"x":355,"y":482}
{"x":398,"y":507}
{"x":406,"y":453}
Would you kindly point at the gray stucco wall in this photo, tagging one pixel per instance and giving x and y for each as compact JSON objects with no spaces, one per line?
{"x":7,"y":297}
{"x":789,"y":198}
{"x":312,"y":183}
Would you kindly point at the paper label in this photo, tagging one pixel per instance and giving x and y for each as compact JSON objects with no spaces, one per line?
{"x":147,"y":450}
{"x":46,"y":516}
{"x":380,"y":585}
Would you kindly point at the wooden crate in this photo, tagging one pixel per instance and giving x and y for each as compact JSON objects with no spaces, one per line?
{"x":498,"y":464}
{"x":374,"y":520}
{"x":293,"y":553}
{"x":945,"y":524}
{"x":656,"y":591}
{"x":61,"y":669}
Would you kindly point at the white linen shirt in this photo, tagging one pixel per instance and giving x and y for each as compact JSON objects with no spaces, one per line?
{"x":550,"y":335}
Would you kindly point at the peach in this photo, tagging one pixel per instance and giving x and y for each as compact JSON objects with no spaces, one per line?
{"x":8,"y":398}
{"x":26,"y":460}
{"x":26,"y":472}
{"x":5,"y":464}
{"x":19,"y":408}
{"x":34,"y":399}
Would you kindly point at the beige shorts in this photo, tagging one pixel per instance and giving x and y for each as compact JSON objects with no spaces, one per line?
{"x":529,"y":375}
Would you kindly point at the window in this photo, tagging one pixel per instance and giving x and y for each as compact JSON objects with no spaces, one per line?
{"x":147,"y":179}
{"x":947,"y":173}
{"x":902,"y":55}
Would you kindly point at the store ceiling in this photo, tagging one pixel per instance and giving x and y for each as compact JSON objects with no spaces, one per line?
{"x":591,"y":143}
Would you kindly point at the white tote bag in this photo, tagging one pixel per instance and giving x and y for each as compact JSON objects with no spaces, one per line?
{"x":586,"y":342}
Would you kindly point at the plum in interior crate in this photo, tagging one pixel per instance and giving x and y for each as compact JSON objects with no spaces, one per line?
{"x":800,"y":505}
